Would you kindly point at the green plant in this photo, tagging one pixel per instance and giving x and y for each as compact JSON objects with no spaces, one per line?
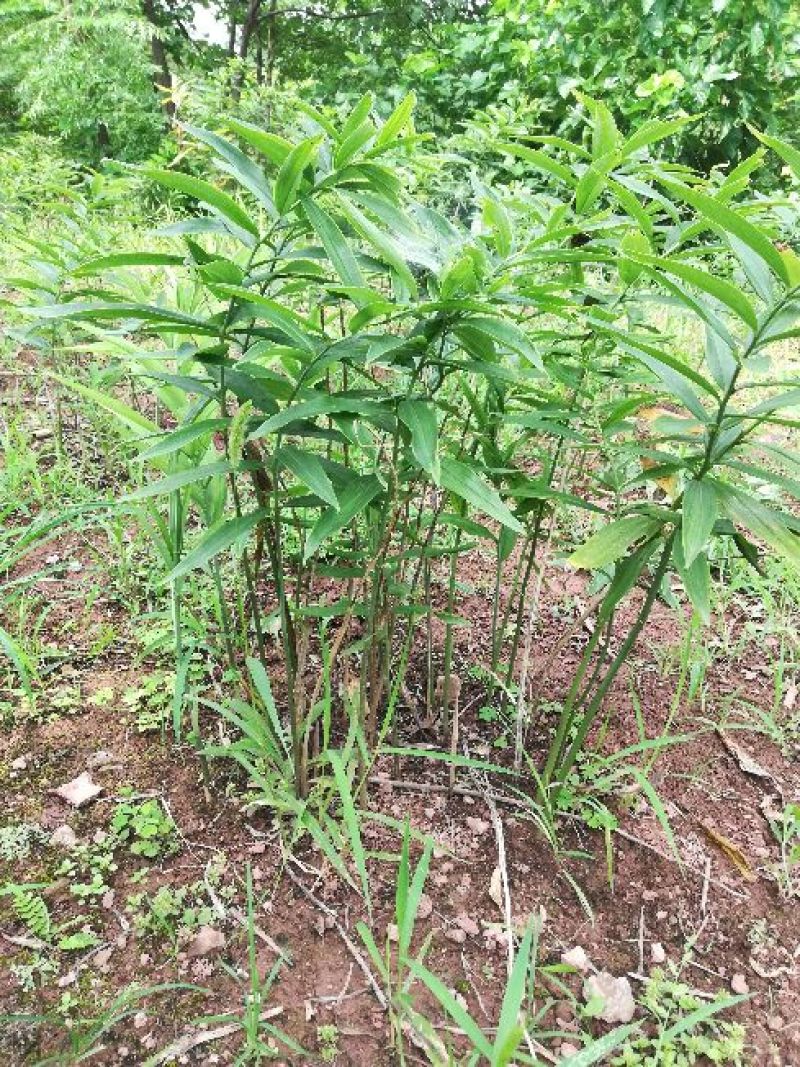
{"x":686,"y":1028}
{"x":144,"y":828}
{"x":785,"y":827}
{"x":328,"y":1042}
{"x":355,"y":384}
{"x":17,"y":840}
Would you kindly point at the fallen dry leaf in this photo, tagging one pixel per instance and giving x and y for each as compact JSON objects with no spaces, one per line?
{"x":732,"y":851}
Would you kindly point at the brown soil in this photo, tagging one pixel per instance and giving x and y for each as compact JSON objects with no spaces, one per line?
{"x":721,"y":917}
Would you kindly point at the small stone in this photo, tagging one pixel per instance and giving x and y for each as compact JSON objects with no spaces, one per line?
{"x":739,"y":985}
{"x":102,"y":957}
{"x":205,"y":942}
{"x":98,"y":759}
{"x":63,"y":837}
{"x":456,"y":934}
{"x":258,"y":848}
{"x":658,"y":953}
{"x":140,"y":1019}
{"x":478,"y":826}
{"x":567,"y":1049}
{"x":661,"y":915}
{"x":615,"y":993}
{"x":468,"y":925}
{"x":393,"y":933}
{"x":577,"y":958}
{"x":649,"y":895}
{"x":79,"y":791}
{"x":19,"y":764}
{"x":425,"y":906}
{"x":67,"y":979}
{"x":99,"y":837}
{"x":775,"y":1022}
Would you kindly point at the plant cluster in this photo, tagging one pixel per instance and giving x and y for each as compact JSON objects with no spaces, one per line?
{"x":369,"y":391}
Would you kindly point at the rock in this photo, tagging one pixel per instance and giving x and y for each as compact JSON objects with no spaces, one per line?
{"x":616,"y":995}
{"x":577,"y":958}
{"x":496,"y":887}
{"x":425,"y":907}
{"x":107,"y":899}
{"x":468,"y":925}
{"x":456,"y":934}
{"x":63,"y":837}
{"x":775,"y":1022}
{"x":19,"y":764}
{"x":205,"y":942}
{"x":658,"y":953}
{"x":739,"y":985}
{"x":478,"y":826}
{"x":79,"y":791}
{"x":567,"y":1049}
{"x":101,"y":959}
{"x":101,"y":758}
{"x":393,"y":933}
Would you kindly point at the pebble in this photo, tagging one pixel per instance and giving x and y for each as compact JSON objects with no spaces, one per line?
{"x":98,"y":759}
{"x":425,"y":906}
{"x":616,"y":994}
{"x":63,"y":837}
{"x":468,"y":925}
{"x":657,"y":952}
{"x":19,"y":764}
{"x":577,"y":958}
{"x":456,"y":934}
{"x":775,"y":1022}
{"x":205,"y":942}
{"x":478,"y":826}
{"x":739,"y":985}
{"x":567,"y":1049}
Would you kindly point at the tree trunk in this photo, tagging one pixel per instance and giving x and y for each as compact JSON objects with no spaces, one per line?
{"x":250,"y":23}
{"x":162,"y":79}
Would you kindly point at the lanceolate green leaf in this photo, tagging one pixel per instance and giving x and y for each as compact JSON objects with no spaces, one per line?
{"x":726,"y":292}
{"x":788,"y":153}
{"x":540,"y":160}
{"x":420,"y":417}
{"x":308,"y":469}
{"x":352,"y":501}
{"x":178,"y":481}
{"x":397,"y":121}
{"x":206,"y":193}
{"x":339,"y":252}
{"x":729,"y":221}
{"x":700,"y":509}
{"x":274,"y":148}
{"x":696,"y":580}
{"x":248,"y":173}
{"x":219,"y":539}
{"x":763,"y":522}
{"x":613,"y":541}
{"x":464,"y":482}
{"x":183,"y":436}
{"x":129,"y":417}
{"x":324,"y":404}
{"x":291,"y":173}
{"x":128,"y":259}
